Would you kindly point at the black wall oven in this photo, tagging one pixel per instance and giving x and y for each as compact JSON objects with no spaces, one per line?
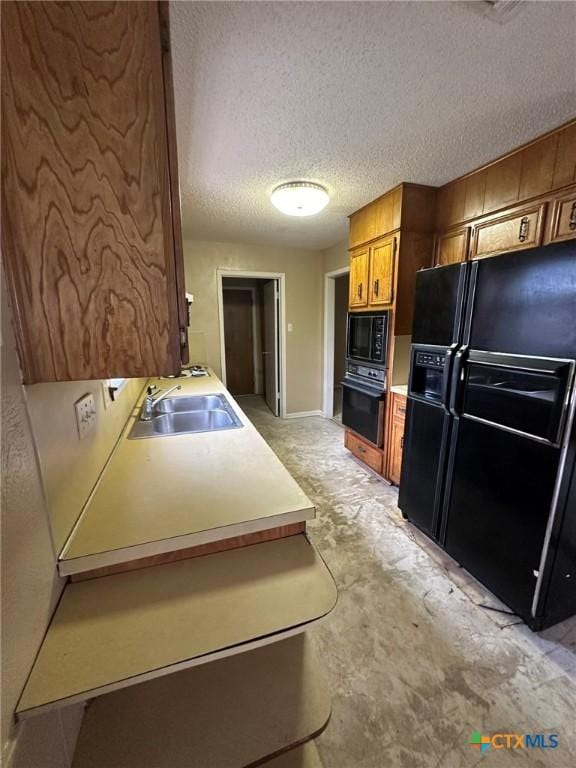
{"x":363,"y":402}
{"x":368,"y":337}
{"x":364,"y":385}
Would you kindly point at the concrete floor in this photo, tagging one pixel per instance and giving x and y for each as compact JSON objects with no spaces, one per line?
{"x":415,"y":661}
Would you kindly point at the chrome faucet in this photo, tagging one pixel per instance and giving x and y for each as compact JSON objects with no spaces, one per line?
{"x":151,"y":401}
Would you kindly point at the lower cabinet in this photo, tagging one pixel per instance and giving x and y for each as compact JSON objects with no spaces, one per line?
{"x":396,"y":439}
{"x":364,"y":451}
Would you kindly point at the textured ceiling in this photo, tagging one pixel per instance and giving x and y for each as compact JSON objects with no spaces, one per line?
{"x":358,"y":96}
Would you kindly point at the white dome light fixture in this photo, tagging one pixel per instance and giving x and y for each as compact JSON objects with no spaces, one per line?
{"x":300,"y":198}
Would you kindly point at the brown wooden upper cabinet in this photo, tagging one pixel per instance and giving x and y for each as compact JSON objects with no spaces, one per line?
{"x":359,"y":274}
{"x":562,"y":219}
{"x":382,"y":272}
{"x":91,"y":239}
{"x":535,"y":170}
{"x":372,"y":274}
{"x":452,"y":247}
{"x":515,"y":230}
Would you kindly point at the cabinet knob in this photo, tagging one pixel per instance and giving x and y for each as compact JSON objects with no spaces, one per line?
{"x":523,"y":231}
{"x":359,"y":290}
{"x":572,"y":221}
{"x":376,"y":287}
{"x":402,"y":442}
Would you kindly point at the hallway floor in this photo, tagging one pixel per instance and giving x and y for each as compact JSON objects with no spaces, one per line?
{"x":417,"y":654}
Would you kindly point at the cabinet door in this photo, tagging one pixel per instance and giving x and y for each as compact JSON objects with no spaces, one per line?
{"x":88,"y":240}
{"x":396,"y":448}
{"x":382,"y":272}
{"x":562,"y":224}
{"x":452,"y":247}
{"x":359,"y":278}
{"x":514,"y":231}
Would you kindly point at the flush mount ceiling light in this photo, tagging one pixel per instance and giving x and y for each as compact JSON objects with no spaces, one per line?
{"x":300,"y":198}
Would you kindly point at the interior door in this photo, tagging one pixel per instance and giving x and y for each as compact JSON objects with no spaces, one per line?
{"x":239,"y":341}
{"x":271,"y":346}
{"x":382,"y":272}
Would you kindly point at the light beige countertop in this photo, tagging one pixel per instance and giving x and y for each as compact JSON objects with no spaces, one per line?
{"x":171,"y":492}
{"x":400,"y":389}
{"x":251,"y":706}
{"x":117,"y":631}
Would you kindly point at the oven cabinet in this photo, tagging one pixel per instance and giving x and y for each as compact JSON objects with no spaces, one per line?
{"x":91,"y":242}
{"x":372,"y":275}
{"x":396,"y":439}
{"x":364,"y":451}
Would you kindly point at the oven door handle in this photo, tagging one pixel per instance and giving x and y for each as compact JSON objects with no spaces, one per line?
{"x":378,"y":393}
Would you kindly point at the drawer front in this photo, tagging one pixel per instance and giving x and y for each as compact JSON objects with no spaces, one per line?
{"x":512,"y":232}
{"x":366,"y":453}
{"x":452,"y":247}
{"x":399,"y":407}
{"x":562,"y":220}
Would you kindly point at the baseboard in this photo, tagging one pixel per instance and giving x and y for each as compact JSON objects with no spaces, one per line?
{"x":303,"y":414}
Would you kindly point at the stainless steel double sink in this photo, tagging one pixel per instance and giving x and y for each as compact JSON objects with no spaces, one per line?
{"x":188,"y":414}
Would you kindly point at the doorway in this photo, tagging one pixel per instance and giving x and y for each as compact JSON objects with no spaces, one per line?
{"x":336,"y":287}
{"x":251,"y":335}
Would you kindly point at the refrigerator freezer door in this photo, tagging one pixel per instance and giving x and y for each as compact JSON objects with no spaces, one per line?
{"x":524,"y":394}
{"x":438,"y":305}
{"x":497,"y":506}
{"x":525,"y":303}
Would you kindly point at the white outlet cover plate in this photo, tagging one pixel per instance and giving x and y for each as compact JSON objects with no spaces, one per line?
{"x":85,"y":415}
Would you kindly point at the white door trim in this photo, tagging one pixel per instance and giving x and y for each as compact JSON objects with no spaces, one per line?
{"x":329,"y":305}
{"x":281,"y":277}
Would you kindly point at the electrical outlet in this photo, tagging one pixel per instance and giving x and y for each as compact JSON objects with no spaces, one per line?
{"x":85,"y":415}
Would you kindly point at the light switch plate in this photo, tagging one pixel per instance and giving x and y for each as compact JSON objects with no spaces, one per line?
{"x":85,"y":415}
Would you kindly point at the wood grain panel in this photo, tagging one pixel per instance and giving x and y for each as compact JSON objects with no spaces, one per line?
{"x":175,"y":202}
{"x":503,"y":183}
{"x":474,"y":191}
{"x":565,"y":165}
{"x":537,"y":171}
{"x":381,"y":290}
{"x":199,"y":551}
{"x":396,"y":450}
{"x":367,"y":453}
{"x":359,"y":271}
{"x":87,"y":235}
{"x":562,"y":223}
{"x":516,"y":230}
{"x":452,"y":247}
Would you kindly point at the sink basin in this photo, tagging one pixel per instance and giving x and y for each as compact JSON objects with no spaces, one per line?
{"x":192,"y":421}
{"x":186,"y":415}
{"x":192,"y":403}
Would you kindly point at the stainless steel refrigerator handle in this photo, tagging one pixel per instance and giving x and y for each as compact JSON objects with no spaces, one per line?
{"x":455,"y":385}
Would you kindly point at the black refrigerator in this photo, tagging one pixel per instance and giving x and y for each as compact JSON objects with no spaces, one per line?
{"x":489,"y":446}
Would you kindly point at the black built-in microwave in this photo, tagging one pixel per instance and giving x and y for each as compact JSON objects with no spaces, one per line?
{"x":368,"y":337}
